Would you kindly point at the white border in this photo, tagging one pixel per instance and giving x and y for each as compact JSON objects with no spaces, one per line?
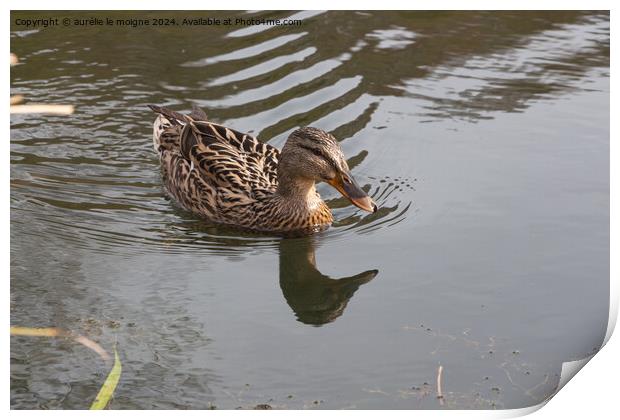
{"x":593,"y":395}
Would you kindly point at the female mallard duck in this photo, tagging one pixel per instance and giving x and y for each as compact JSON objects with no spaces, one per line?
{"x":232,"y":178}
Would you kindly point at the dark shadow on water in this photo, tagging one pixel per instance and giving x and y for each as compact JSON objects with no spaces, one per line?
{"x":315,"y":298}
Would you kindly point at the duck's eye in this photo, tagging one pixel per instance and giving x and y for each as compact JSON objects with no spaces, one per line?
{"x":314,"y":151}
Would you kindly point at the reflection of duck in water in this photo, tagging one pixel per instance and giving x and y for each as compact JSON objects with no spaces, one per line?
{"x":315,"y":298}
{"x":232,"y":178}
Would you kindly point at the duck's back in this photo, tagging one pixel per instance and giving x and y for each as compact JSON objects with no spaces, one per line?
{"x":212,"y":170}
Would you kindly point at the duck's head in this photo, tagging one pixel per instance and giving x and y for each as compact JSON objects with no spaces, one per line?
{"x":311,"y":154}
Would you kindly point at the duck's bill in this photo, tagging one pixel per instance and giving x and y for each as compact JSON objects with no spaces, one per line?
{"x":347,"y":186}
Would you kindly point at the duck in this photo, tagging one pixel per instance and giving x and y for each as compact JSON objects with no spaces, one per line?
{"x":231,"y":178}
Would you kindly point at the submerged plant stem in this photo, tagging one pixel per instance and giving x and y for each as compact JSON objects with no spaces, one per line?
{"x":108,"y":387}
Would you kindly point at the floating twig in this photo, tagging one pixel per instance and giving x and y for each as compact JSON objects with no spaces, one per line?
{"x":58,"y":332}
{"x":42,"y":109}
{"x":36,"y":108}
{"x":439,"y":392}
{"x":17,"y":99}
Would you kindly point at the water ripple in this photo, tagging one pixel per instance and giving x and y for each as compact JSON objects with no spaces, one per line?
{"x":247,"y":52}
{"x":92,"y":178}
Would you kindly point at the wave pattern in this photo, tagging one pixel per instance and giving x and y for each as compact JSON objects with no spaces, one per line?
{"x":93,"y":177}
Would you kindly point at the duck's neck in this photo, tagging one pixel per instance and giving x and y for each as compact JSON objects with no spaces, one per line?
{"x":299,"y":193}
{"x":299,"y":206}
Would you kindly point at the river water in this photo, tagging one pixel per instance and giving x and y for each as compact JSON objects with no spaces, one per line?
{"x":482,"y":136}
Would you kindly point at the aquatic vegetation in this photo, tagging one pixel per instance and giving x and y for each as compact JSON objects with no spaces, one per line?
{"x":107,"y":389}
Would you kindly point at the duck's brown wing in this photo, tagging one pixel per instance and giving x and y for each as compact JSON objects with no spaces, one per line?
{"x":225,"y":155}
{"x":229,"y":158}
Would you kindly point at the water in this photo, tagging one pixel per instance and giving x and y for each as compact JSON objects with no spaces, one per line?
{"x":483,"y":137}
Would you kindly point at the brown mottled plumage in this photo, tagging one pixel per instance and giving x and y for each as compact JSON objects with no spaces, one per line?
{"x":232,"y":178}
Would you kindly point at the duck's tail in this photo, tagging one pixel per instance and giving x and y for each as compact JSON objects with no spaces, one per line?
{"x":197,"y":114}
{"x":168,"y":124}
